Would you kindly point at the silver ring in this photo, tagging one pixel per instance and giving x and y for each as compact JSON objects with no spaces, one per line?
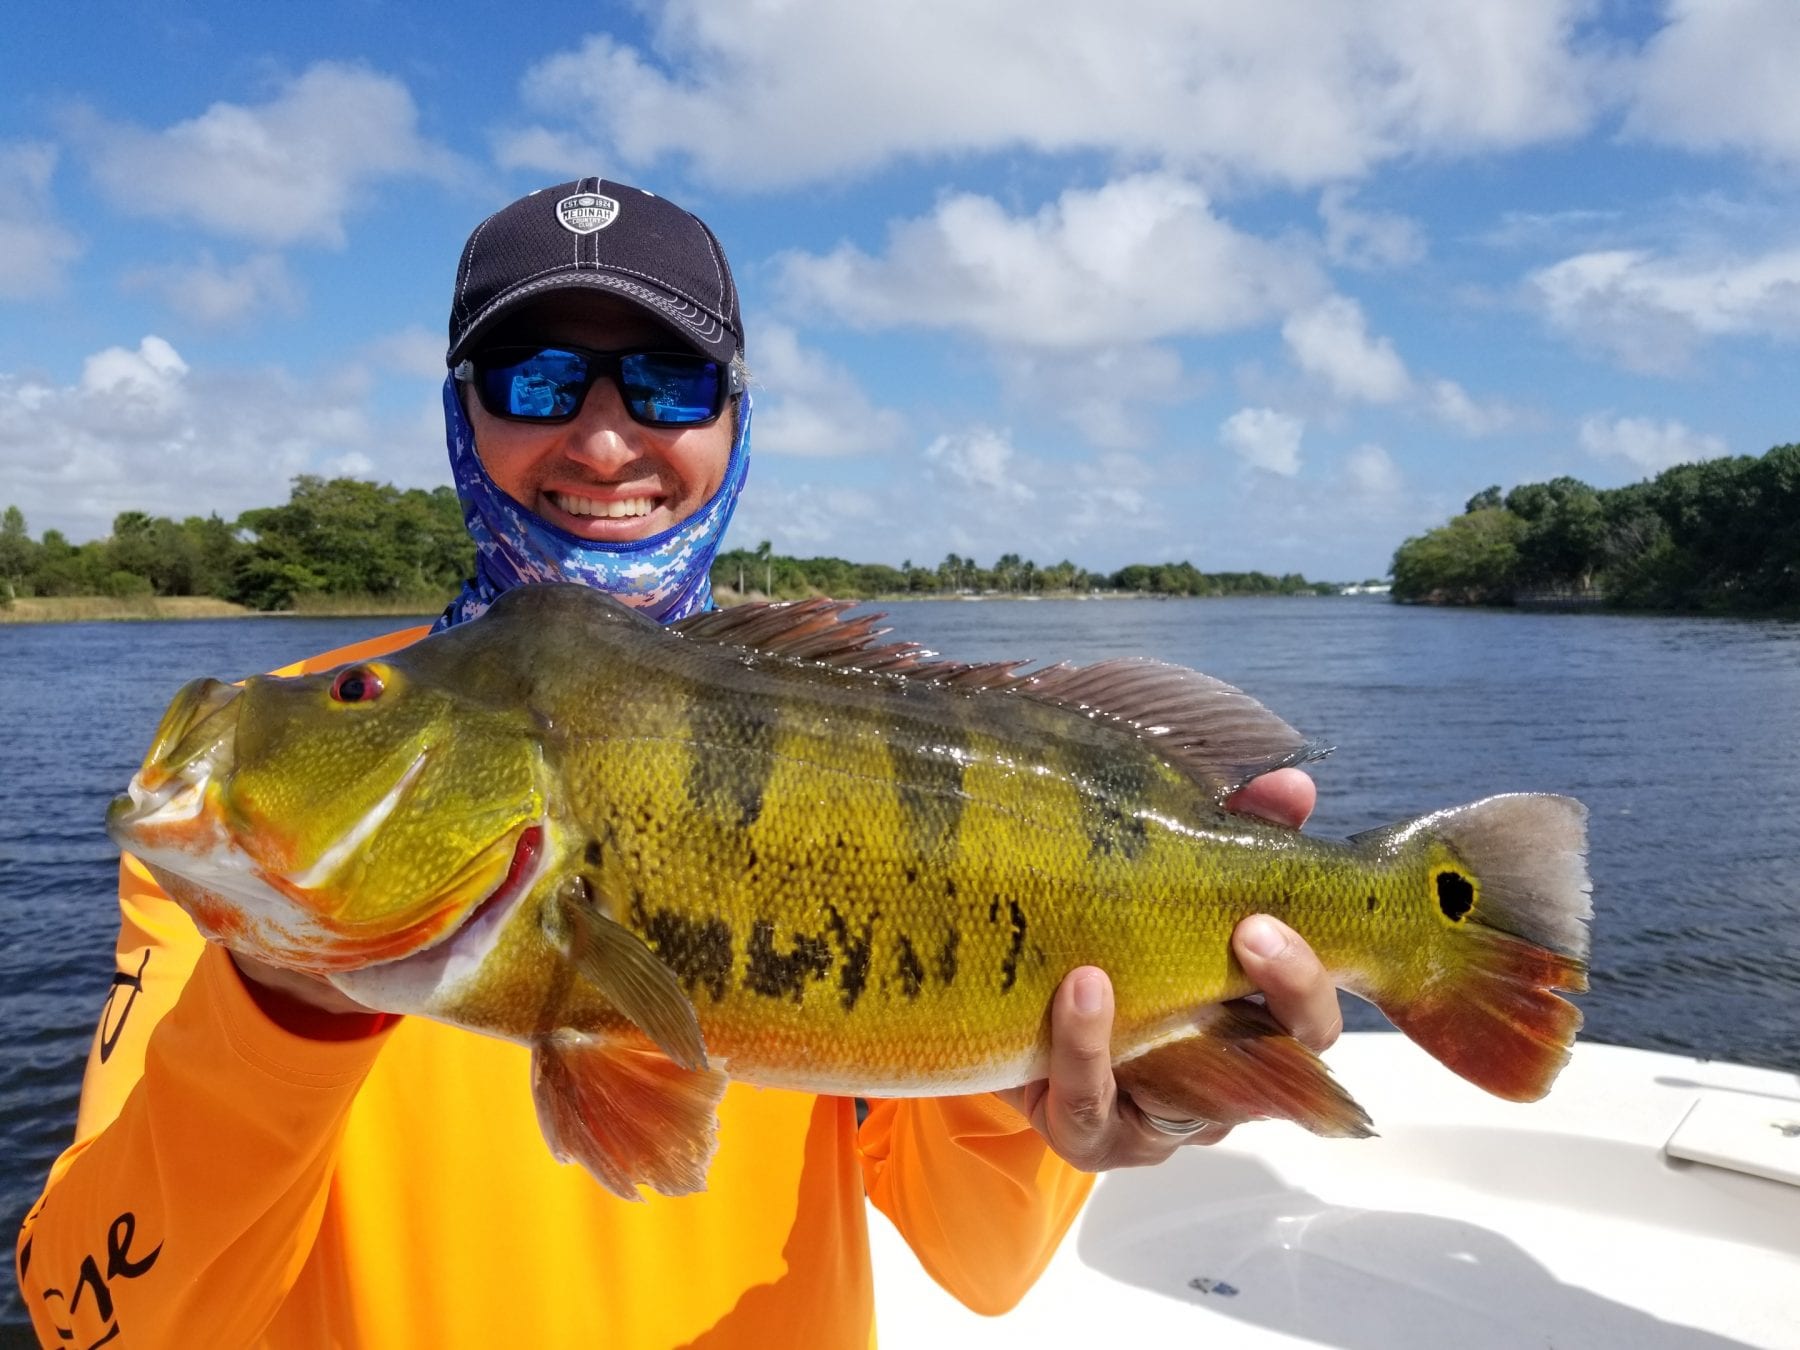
{"x":1175,"y":1129}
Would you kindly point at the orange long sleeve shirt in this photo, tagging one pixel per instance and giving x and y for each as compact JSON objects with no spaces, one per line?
{"x":235,"y":1185}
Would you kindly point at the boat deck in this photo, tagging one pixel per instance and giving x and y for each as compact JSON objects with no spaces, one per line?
{"x":1469,"y":1223}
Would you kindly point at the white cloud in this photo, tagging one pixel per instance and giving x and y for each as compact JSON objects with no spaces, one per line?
{"x":1137,"y":260}
{"x":1293,"y":91}
{"x":1372,"y":473}
{"x":813,"y":406}
{"x":282,"y":172}
{"x":1370,"y":240}
{"x":1652,"y":446}
{"x":1650,"y":312}
{"x":981,"y":459}
{"x":142,"y":430}
{"x":1720,"y":75}
{"x":224,"y":294}
{"x":1264,"y":439}
{"x":1108,"y":394}
{"x":806,"y":519}
{"x":1331,"y":341}
{"x":34,"y":248}
{"x":1451,"y":404}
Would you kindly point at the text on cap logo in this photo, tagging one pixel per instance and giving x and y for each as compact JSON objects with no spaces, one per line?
{"x":586,"y":212}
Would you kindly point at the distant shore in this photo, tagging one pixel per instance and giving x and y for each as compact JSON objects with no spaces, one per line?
{"x":106,"y":609}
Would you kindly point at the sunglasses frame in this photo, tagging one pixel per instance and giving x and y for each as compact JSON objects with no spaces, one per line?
{"x":601,"y":365}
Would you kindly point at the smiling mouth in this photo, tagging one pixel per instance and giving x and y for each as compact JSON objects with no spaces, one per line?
{"x":624,"y":508}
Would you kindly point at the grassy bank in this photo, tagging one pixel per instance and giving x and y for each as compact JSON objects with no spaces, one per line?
{"x":98,"y":608}
{"x":92,"y":608}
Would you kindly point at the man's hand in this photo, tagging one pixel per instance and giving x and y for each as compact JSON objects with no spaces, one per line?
{"x":305,"y":1004}
{"x":1079,"y":1109}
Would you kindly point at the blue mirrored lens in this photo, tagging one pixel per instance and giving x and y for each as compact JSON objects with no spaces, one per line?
{"x":669,"y":389}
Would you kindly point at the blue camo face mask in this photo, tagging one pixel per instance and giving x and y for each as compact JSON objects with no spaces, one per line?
{"x":668,"y":576}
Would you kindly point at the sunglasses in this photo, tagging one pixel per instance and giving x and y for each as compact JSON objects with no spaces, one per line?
{"x":549,"y":384}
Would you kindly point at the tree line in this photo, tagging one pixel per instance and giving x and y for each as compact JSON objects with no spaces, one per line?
{"x":343,"y":538}
{"x":334,"y":537}
{"x":1717,"y":535}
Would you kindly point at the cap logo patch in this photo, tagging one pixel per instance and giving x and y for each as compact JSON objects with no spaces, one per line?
{"x":586,"y":212}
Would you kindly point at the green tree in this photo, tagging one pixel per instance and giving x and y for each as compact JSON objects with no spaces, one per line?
{"x":1471,"y":560}
{"x":18,"y":554}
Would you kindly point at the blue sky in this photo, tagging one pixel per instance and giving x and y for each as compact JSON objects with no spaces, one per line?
{"x":1268,"y":286}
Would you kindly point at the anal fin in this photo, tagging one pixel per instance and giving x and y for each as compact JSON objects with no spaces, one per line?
{"x":631,"y":1116}
{"x":1239,"y":1065}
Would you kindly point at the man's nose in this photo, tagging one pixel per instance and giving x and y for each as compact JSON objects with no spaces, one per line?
{"x":603,"y":436}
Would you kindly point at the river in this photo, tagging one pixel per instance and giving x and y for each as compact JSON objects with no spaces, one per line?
{"x":1680,"y":734}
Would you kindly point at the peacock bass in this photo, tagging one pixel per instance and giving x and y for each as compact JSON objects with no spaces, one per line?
{"x":766,"y":844}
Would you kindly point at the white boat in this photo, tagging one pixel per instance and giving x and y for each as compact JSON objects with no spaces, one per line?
{"x":1651,"y":1201}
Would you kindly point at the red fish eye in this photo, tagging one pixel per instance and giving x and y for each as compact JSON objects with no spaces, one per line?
{"x":358,"y":684}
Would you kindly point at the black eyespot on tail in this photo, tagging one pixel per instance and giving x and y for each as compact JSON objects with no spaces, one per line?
{"x":1455,"y":895}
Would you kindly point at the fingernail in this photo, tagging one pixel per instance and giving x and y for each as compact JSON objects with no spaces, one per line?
{"x":1087,"y":992}
{"x":1263,"y":936}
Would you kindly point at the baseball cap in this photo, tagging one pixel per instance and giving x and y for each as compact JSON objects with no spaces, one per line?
{"x":596,"y":234}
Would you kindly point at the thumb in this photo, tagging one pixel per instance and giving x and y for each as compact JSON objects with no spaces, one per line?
{"x":1078,"y":1106}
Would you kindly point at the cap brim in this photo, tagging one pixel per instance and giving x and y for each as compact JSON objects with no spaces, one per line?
{"x":700,"y":329}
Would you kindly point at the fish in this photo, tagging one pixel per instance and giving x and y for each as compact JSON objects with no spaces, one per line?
{"x":771,"y":844}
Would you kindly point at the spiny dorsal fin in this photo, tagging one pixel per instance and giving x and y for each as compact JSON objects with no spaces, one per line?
{"x":1212,"y":731}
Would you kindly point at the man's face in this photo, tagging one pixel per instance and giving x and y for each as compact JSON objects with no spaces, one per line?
{"x":601,"y":476}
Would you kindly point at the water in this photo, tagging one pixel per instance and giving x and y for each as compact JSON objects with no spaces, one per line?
{"x":1679,"y":734}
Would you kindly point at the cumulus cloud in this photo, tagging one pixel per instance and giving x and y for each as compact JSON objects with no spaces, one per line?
{"x":1720,"y":76}
{"x":1369,"y":240}
{"x":1136,"y":260}
{"x":1372,"y":473}
{"x":1650,"y":312}
{"x":1109,"y":395}
{"x":1331,"y":341}
{"x":813,"y":405}
{"x":816,"y":89}
{"x":1652,"y":446}
{"x":1451,"y":404}
{"x":34,"y":248}
{"x":286,"y":171}
{"x":982,"y":460}
{"x":1264,"y":439}
{"x":223,"y":294}
{"x":140,"y":430}
{"x":809,"y":518}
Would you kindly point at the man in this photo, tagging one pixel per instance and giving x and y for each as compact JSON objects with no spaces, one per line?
{"x":262,"y":1162}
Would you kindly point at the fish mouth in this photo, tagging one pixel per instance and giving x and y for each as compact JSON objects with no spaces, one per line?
{"x":165,"y":803}
{"x":409,"y":982}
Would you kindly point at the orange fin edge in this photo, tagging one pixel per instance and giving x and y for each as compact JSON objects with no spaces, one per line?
{"x":632,"y":1117}
{"x":1240,"y":1065}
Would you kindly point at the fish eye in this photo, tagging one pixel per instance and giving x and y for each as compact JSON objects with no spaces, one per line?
{"x":356,"y":684}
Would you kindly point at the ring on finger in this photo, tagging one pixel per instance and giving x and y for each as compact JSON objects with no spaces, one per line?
{"x":1181,"y":1128}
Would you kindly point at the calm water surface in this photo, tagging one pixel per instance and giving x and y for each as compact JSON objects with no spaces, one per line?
{"x":1679,"y":734}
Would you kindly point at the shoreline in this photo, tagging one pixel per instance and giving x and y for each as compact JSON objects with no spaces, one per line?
{"x":155,"y":609}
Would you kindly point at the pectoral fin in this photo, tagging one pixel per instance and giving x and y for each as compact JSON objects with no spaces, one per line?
{"x":1239,"y":1065}
{"x":631,"y":977}
{"x":630,"y":1116}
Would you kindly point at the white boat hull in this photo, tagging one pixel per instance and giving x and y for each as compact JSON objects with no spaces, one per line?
{"x":1470,"y":1223}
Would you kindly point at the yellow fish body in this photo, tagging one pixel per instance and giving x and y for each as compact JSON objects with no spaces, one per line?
{"x":761,"y":845}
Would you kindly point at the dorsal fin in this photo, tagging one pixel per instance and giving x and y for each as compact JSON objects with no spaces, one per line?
{"x":1212,"y":731}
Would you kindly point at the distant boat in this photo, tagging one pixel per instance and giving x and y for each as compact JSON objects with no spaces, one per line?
{"x":1650,"y":1202}
{"x":1377,"y":588}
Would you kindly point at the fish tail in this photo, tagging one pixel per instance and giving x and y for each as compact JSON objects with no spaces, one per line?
{"x":1507,"y":885}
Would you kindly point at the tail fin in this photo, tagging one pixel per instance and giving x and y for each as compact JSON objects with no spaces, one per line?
{"x":1517,"y":923}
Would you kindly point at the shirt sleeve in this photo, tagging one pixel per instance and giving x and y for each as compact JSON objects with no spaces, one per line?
{"x":188,"y":1203}
{"x":975,"y":1191}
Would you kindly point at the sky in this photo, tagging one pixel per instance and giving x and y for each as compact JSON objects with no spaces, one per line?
{"x":1269,"y":286}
